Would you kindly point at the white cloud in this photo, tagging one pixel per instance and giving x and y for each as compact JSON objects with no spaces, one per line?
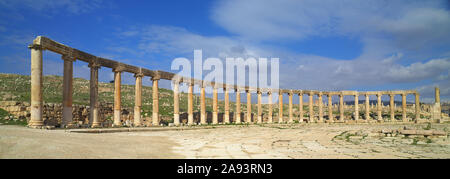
{"x":399,"y":41}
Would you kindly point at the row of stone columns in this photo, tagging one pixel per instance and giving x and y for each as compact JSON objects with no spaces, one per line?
{"x":37,"y":99}
{"x":280,"y":106}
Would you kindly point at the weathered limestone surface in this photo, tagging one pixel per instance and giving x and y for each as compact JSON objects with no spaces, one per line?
{"x":249,"y":106}
{"x":215,"y":107}
{"x":176,"y":103}
{"x":280,"y":106}
{"x":311,"y":108}
{"x":330,"y":109}
{"x":94,"y":115}
{"x":155,"y":114}
{"x":300,"y":106}
{"x":138,"y":100}
{"x":191,"y":104}
{"x":36,"y":86}
{"x":320,"y":107}
{"x":270,"y":112}
{"x":259,"y":108}
{"x":117,"y":96}
{"x":67,"y":91}
{"x":202,"y":106}
{"x":238,"y":107}
{"x":227,"y":107}
{"x":291,"y":120}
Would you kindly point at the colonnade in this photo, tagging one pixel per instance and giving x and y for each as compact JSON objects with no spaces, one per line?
{"x":69,"y":55}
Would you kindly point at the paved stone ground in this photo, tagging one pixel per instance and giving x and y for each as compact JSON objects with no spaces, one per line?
{"x":254,"y":141}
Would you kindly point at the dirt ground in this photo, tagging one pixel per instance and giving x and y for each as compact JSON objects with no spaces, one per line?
{"x":254,"y":141}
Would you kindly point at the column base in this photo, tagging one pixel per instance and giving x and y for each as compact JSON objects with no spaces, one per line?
{"x":36,"y":124}
{"x":96,"y":125}
{"x":176,"y":119}
{"x":215,"y":119}
{"x":190,"y":119}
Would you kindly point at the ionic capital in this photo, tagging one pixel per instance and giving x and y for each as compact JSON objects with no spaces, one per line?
{"x":136,"y":75}
{"x":94,"y":65}
{"x":155,"y":78}
{"x":35,"y":47}
{"x":68,"y":58}
{"x":118,"y":69}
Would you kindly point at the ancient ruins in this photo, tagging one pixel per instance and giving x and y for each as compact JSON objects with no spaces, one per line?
{"x":69,"y":55}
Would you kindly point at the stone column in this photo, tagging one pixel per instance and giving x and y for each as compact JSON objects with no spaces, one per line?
{"x":270,"y":115}
{"x":155,"y":115}
{"x":215,"y":119}
{"x":436,"y":108}
{"x":341,"y":108}
{"x":259,"y":108}
{"x":391,"y":107}
{"x":117,"y":97}
{"x":280,"y":103}
{"x":300,"y":106}
{"x":404,"y":107}
{"x":367,"y":113}
{"x":227,"y":107}
{"x":249,"y":106}
{"x":176,"y":102}
{"x":311,"y":107}
{"x":138,"y":99}
{"x":291,"y":120}
{"x":191,"y":104}
{"x":379,"y":109}
{"x":320,"y":107}
{"x":330,"y":108}
{"x":238,"y":106}
{"x":93,"y":115}
{"x":202,"y":106}
{"x":36,"y":86}
{"x":417,"y":106}
{"x":67,"y":91}
{"x":356,"y":107}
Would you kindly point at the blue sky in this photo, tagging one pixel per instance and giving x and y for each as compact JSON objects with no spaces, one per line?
{"x":323,"y":45}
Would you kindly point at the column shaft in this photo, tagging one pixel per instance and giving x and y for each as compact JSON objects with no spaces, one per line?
{"x":300,"y":107}
{"x":36,"y":87}
{"x":404,"y":108}
{"x":367,"y":106}
{"x":311,"y":108}
{"x":227,"y":107}
{"x":270,"y":112}
{"x":391,"y":107}
{"x":117,"y":98}
{"x":356,"y":107}
{"x":176,"y":103}
{"x":215,"y":119}
{"x":341,"y":108}
{"x":330,"y":108}
{"x":67,"y":91}
{"x":320,"y":108}
{"x":249,"y":106}
{"x":291,"y":120}
{"x":280,"y":103}
{"x":259,"y":108}
{"x":417,"y":107}
{"x":138,"y":100}
{"x":155,"y":115}
{"x":379,"y":109}
{"x":238,"y":107}
{"x":94,"y":115}
{"x":191,"y":104}
{"x":202,"y":106}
